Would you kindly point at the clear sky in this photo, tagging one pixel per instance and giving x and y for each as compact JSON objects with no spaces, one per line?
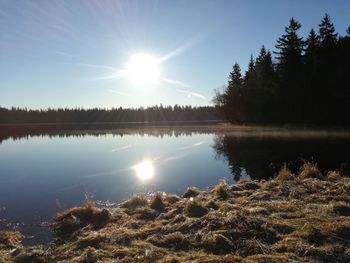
{"x":73,"y":53}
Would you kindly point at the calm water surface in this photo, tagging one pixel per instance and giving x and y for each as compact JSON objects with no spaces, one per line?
{"x":42,"y":175}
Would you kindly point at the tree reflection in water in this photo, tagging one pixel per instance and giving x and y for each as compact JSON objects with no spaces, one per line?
{"x":262,"y":157}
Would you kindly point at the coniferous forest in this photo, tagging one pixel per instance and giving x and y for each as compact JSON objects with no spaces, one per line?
{"x":118,"y":115}
{"x":304,"y":81}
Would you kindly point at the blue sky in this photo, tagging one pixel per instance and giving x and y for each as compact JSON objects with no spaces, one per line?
{"x":68,"y":53}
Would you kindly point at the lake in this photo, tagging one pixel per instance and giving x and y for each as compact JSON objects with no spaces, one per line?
{"x":43,"y":173}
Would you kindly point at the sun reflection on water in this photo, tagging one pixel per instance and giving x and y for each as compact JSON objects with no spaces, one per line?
{"x":144,"y":170}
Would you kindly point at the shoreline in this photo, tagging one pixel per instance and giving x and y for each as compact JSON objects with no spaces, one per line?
{"x":16,"y":131}
{"x":298,"y":218}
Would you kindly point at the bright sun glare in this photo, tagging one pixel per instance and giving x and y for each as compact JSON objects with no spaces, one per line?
{"x":144,"y":170}
{"x":143,"y":69}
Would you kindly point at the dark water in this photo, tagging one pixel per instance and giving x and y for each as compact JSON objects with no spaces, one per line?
{"x":42,"y":175}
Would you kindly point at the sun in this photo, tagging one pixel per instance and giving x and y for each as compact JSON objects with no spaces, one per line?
{"x":143,"y":69}
{"x":144,"y":170}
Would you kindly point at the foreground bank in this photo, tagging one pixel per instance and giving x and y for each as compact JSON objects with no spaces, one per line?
{"x":293,"y":218}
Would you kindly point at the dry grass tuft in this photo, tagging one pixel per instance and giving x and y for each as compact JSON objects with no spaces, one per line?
{"x":217,"y":244}
{"x":285,"y":174}
{"x":145,"y":213}
{"x":248,"y":184}
{"x":171,"y":199}
{"x":236,"y":188}
{"x":89,"y":213}
{"x":134,"y":202}
{"x":311,"y":233}
{"x":176,"y":240}
{"x":92,"y":240}
{"x":10,"y":239}
{"x":334,"y":176}
{"x":309,"y":170}
{"x":157,"y":203}
{"x":30,"y":255}
{"x":195,"y":209}
{"x":222,"y":190}
{"x":191,"y":192}
{"x":77,"y":217}
{"x":212,"y":205}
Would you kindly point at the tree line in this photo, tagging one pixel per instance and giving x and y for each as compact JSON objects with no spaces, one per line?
{"x":80,"y":115}
{"x":306,"y":82}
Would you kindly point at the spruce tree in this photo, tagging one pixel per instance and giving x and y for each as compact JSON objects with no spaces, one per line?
{"x":251,"y":68}
{"x":312,"y":42}
{"x":289,"y":69}
{"x":264,"y":67}
{"x":310,"y":56}
{"x":266,"y":87}
{"x":262,"y":54}
{"x":290,"y":47}
{"x":249,"y":95}
{"x":327,"y":70}
{"x":235,"y":82}
{"x":311,"y":94}
{"x":327,"y":32}
{"x":233,"y":95}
